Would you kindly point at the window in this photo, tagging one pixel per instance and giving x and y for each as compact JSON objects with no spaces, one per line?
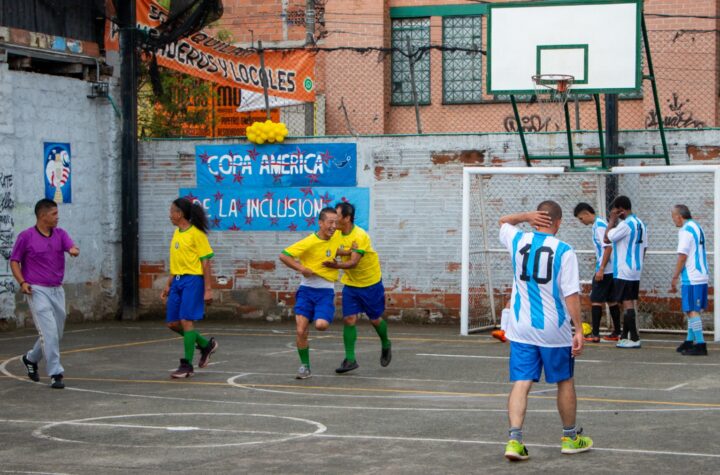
{"x":462,"y":70}
{"x":418,"y":31}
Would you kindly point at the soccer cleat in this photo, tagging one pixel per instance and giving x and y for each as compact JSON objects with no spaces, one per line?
{"x":579,"y":444}
{"x":696,"y":350}
{"x":686,"y":345}
{"x":185,"y":370}
{"x":303,"y":372}
{"x":346,"y":366}
{"x":629,"y":344}
{"x":515,"y":451}
{"x":592,"y":339}
{"x":386,"y":356}
{"x":207,"y":351}
{"x":499,"y":335}
{"x":56,"y":381}
{"x":32,"y":369}
{"x":611,"y":337}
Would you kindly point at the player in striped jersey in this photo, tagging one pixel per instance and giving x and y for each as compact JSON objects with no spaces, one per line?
{"x":693,"y":267}
{"x":628,"y":236}
{"x":545,"y":293}
{"x":602,"y":282}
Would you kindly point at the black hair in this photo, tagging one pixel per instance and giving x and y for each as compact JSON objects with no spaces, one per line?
{"x":43,"y":205}
{"x":325,"y":211}
{"x":193,"y":212}
{"x":583,"y":207}
{"x":683,"y":211}
{"x":346,"y":209}
{"x":622,"y":202}
{"x":552,"y":209}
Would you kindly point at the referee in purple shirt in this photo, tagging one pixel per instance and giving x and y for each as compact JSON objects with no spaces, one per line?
{"x":38,"y":264}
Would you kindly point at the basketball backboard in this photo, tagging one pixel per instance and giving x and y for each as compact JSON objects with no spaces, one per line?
{"x":596,"y":41}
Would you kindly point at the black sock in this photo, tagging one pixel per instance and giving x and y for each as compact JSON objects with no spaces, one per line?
{"x":615,"y":316}
{"x":596,"y":316}
{"x":630,"y":325}
{"x":626,"y":325}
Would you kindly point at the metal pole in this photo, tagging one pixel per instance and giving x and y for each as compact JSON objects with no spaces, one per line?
{"x":611,"y":144}
{"x":465,"y":261}
{"x":264,"y":79}
{"x":520,"y":129}
{"x":309,"y":41}
{"x":414,"y":90}
{"x":596,"y":98}
{"x":656,"y":100}
{"x":569,"y":135}
{"x":129,"y":186}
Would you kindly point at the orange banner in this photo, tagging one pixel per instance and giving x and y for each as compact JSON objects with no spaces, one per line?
{"x":291,"y":74}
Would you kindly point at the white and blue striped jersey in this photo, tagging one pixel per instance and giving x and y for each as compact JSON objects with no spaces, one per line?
{"x":545,"y":271}
{"x":691,"y":242}
{"x":629,"y":240}
{"x":598,"y":233}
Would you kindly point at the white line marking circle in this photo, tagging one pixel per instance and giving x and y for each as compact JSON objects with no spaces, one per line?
{"x":91,"y":421}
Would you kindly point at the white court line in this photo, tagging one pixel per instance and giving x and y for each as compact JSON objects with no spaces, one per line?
{"x":489,"y":442}
{"x":35,"y":337}
{"x":217,"y":362}
{"x":579,"y":360}
{"x":37,"y":473}
{"x":677,"y":386}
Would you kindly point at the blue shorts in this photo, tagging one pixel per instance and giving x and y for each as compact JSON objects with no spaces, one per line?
{"x":368,"y":300}
{"x":527,"y":362}
{"x":694,"y":297}
{"x":186,"y":298}
{"x":314,"y":303}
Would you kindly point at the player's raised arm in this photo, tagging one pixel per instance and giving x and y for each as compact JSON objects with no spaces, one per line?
{"x":534,"y":218}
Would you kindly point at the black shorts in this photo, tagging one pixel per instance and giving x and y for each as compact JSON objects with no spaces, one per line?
{"x":624,"y":290}
{"x":602,"y":291}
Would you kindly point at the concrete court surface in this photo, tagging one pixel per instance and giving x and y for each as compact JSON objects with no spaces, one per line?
{"x":438,"y":408}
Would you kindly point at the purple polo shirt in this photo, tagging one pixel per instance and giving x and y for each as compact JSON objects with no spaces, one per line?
{"x":42,"y":258}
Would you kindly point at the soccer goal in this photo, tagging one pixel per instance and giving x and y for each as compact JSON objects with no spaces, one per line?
{"x":491,"y":192}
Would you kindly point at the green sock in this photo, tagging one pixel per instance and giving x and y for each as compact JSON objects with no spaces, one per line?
{"x":304,"y":356}
{"x":190,"y":337}
{"x":381,"y":330}
{"x":349,"y":338}
{"x":201,"y":340}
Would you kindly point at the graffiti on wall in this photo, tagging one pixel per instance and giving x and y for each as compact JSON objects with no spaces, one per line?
{"x":7,"y":226}
{"x":530,"y":123}
{"x":679,"y":117}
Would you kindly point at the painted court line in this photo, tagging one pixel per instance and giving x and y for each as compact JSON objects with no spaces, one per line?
{"x":579,"y":360}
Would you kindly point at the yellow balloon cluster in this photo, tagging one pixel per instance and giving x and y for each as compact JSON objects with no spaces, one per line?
{"x":268,"y":131}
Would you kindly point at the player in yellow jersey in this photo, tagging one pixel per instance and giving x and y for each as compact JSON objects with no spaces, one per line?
{"x":363,"y":291}
{"x":188,"y":287}
{"x":315,"y":298}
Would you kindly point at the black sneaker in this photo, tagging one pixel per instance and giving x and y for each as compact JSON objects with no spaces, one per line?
{"x":686,"y":345}
{"x":32,"y":369}
{"x":346,"y":366}
{"x":386,"y":356}
{"x":207,"y":351}
{"x":697,"y":350}
{"x":56,"y":381}
{"x":185,"y":370}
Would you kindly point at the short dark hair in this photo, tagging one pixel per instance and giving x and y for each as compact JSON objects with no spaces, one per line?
{"x":683,"y":211}
{"x":552,"y":209}
{"x":325,"y":211}
{"x":44,"y":205}
{"x":346,"y":209}
{"x":623,"y":202}
{"x":583,"y":207}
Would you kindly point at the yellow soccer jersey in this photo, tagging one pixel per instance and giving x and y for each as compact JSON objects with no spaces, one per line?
{"x":187,"y":249}
{"x":367,"y":272}
{"x":313,"y":251}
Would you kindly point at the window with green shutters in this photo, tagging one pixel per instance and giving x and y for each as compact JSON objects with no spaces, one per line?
{"x":462,"y":70}
{"x":418,"y":31}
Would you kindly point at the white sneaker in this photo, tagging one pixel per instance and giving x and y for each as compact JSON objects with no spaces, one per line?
{"x":303,"y":372}
{"x":628,"y":344}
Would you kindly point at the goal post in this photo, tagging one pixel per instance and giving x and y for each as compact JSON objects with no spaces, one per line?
{"x":491,"y":192}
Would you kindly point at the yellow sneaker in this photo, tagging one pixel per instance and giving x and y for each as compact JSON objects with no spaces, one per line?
{"x":579,"y":444}
{"x":515,"y":451}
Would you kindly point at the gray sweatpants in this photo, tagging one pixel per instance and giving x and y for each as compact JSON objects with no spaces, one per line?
{"x":47,"y":305}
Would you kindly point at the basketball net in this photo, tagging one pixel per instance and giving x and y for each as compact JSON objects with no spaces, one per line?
{"x":552,"y":92}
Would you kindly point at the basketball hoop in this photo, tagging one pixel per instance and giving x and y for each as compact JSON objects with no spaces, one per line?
{"x":552,"y":87}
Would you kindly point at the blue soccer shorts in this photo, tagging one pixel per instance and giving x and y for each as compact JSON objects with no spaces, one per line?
{"x":368,"y":300}
{"x":186,"y":299}
{"x":314,"y":303}
{"x":527,"y":362}
{"x":694,"y":297}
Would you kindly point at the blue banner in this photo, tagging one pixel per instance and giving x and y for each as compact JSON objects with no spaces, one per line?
{"x":57,"y":171}
{"x":277,"y":165}
{"x":275,"y":209}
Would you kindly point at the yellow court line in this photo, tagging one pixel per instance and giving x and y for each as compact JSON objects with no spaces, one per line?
{"x":150,"y":381}
{"x":119,"y":345}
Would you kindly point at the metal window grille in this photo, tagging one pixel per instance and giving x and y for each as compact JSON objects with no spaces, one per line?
{"x":418,"y":30}
{"x":462,"y":70}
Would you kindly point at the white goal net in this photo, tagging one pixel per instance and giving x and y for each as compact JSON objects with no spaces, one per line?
{"x":490,"y":192}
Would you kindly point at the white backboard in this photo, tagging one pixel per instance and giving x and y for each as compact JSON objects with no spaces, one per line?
{"x":596,"y":41}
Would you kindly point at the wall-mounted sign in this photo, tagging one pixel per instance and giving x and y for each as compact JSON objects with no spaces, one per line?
{"x":57,"y":171}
